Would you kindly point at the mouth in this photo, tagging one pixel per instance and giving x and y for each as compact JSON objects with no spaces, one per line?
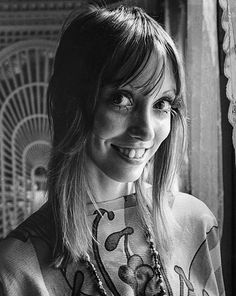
{"x":131,"y":153}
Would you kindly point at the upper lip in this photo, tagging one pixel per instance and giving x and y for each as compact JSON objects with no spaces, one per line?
{"x":131,"y":147}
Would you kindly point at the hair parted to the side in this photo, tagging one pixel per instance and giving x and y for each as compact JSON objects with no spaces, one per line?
{"x":100,"y":47}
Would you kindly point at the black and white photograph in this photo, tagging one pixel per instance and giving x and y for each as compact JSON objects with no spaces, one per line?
{"x":117,"y":147}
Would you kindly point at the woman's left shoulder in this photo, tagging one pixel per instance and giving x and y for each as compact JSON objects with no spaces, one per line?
{"x":197,"y":245}
{"x":191,"y":210}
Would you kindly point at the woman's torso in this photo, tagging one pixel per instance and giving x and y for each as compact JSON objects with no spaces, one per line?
{"x":122,"y":256}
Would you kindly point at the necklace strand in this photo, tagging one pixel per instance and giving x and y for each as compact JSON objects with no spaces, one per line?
{"x":156,"y":261}
{"x":156,"y":267}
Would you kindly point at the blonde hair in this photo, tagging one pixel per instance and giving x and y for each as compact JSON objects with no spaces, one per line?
{"x":94,"y":45}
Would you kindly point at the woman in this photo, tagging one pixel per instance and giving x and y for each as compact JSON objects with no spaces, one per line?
{"x":112,"y":225}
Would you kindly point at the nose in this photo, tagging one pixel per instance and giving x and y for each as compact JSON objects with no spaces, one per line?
{"x":141,"y":126}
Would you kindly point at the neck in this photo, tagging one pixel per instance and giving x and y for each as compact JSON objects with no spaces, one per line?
{"x":103,"y":187}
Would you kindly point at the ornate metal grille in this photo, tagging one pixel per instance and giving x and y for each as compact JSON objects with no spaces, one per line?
{"x":24,"y":136}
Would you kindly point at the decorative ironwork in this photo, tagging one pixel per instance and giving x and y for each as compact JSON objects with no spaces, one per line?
{"x":24,"y":135}
{"x":27,"y":20}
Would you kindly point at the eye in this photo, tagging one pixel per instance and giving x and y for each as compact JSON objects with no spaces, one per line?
{"x":163,"y":104}
{"x":121,"y":100}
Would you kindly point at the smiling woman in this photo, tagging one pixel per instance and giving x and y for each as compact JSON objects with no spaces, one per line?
{"x":112,"y":224}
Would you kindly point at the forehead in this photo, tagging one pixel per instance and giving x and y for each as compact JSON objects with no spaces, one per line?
{"x":157,"y":73}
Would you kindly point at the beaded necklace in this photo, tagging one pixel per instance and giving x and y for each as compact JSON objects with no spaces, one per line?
{"x":156,"y":267}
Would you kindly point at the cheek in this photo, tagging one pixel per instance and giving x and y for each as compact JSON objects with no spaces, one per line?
{"x":107,"y":124}
{"x":162,"y":132}
{"x":167,"y":128}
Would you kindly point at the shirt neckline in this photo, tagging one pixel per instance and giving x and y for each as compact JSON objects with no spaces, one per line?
{"x":119,"y":203}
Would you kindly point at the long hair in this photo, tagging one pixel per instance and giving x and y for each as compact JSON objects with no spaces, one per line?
{"x":98,"y":47}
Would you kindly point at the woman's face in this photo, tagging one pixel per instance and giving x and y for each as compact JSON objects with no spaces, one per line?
{"x":130,"y":126}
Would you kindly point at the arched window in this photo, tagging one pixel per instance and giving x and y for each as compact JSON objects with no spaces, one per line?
{"x":25,"y":68}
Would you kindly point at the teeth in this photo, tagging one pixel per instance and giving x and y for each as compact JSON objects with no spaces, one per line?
{"x":132,"y":153}
{"x":140,"y":152}
{"x":126,"y":151}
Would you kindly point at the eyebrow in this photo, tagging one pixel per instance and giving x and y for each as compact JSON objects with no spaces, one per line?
{"x":170,"y":91}
{"x":133,"y":88}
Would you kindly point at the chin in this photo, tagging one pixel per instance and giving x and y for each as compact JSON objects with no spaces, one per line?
{"x":125,"y":177}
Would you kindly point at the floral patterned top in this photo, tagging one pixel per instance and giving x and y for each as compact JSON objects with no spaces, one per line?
{"x":121,"y":256}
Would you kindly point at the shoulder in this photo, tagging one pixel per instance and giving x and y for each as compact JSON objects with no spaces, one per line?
{"x":190,"y":210}
{"x":197,"y":244}
{"x":15,"y":255}
{"x":30,"y":241}
{"x":197,"y":230}
{"x":26,"y":247}
{"x":20,"y":272}
{"x":17,"y":259}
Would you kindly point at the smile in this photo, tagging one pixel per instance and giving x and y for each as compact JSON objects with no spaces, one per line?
{"x":131,"y":153}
